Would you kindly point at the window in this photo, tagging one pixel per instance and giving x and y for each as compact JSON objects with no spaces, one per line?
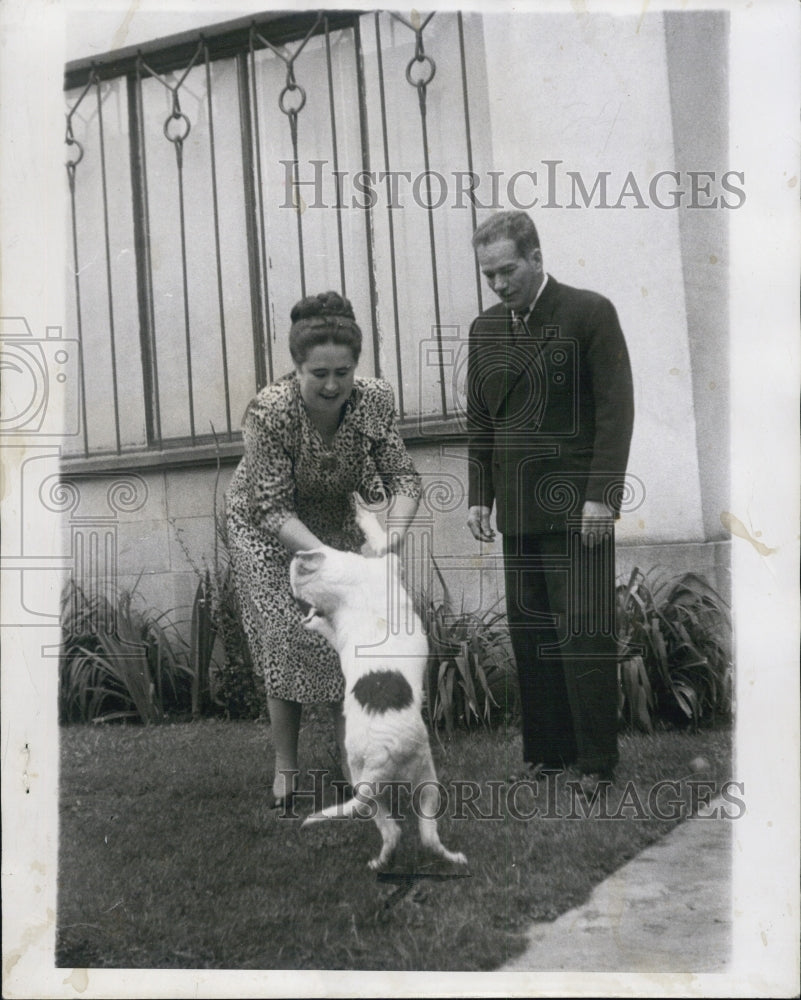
{"x":216,"y":177}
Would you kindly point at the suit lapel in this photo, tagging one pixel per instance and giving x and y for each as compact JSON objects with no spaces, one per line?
{"x":509,"y":360}
{"x":500,"y":361}
{"x":543,"y":311}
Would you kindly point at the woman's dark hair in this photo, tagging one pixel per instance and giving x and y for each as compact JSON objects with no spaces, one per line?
{"x":323,"y":319}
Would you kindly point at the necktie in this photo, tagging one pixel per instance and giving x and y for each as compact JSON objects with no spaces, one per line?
{"x":519,"y":326}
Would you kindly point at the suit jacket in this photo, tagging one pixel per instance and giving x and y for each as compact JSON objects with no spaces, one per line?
{"x":549,"y":411}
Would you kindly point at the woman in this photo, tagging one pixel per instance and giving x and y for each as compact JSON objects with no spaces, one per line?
{"x":312,"y":439}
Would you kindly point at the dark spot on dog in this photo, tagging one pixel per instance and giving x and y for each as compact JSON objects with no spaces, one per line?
{"x":383,"y":690}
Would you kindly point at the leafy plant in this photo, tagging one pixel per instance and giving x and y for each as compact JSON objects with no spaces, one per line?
{"x":636,"y":698}
{"x":675,"y":650}
{"x":118,"y":662}
{"x":471,"y":677}
{"x":201,"y":646}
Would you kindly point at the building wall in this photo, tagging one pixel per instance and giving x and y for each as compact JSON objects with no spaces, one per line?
{"x":697,"y":50}
{"x":165,"y":544}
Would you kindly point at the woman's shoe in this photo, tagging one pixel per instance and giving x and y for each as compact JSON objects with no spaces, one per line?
{"x":279,"y":801}
{"x":283,"y":801}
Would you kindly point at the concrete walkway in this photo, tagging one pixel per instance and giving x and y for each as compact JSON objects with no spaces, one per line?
{"x":667,"y":910}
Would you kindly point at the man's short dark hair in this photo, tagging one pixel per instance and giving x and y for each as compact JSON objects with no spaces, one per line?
{"x":515,"y":226}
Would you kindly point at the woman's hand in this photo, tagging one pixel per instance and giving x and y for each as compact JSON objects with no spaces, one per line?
{"x":382,"y":540}
{"x":385,"y":540}
{"x":294,"y":534}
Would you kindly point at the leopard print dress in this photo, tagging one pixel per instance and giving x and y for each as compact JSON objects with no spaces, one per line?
{"x":288,"y":471}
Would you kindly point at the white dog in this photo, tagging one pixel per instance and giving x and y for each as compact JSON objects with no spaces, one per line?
{"x":359,"y":605}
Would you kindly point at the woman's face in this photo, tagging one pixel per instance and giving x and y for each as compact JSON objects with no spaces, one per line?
{"x":326,"y":378}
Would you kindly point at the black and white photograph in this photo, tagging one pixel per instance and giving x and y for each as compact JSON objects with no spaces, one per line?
{"x":399,"y":438}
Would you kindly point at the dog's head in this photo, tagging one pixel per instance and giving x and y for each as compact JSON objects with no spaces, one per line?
{"x":326,"y":580}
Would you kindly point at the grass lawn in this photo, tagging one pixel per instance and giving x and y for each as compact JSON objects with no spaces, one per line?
{"x":169,"y":858}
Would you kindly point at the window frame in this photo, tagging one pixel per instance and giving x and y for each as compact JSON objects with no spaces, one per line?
{"x":227,"y":40}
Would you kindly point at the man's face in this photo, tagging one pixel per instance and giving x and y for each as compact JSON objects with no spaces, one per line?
{"x":514,"y":279}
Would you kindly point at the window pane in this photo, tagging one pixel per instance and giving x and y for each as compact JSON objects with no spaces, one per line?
{"x":323,"y":262}
{"x":106,"y":278}
{"x":193,"y":303}
{"x":207,"y":251}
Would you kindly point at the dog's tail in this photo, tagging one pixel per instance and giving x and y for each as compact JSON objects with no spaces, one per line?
{"x":340,"y":810}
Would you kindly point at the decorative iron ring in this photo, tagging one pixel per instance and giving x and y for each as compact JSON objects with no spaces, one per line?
{"x":174,"y":117}
{"x":424,"y":80}
{"x":72,"y":164}
{"x":289,"y":87}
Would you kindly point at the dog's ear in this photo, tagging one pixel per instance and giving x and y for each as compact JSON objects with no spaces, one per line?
{"x":308,"y":562}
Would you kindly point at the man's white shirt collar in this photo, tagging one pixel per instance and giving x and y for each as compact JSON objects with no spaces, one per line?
{"x":540,"y":290}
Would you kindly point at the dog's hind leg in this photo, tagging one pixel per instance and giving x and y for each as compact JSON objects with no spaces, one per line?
{"x":390,"y":835}
{"x":428,"y":804}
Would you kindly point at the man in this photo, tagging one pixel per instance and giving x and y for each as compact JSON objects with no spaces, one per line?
{"x":550,"y":413}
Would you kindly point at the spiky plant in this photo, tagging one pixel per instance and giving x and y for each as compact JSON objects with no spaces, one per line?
{"x":675,"y":650}
{"x":119,"y":662}
{"x":471,"y":677}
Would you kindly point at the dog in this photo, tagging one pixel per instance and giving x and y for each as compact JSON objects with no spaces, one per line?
{"x":360,"y":606}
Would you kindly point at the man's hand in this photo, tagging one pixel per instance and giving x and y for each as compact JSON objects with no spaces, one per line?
{"x":478,"y":521}
{"x":596,"y":520}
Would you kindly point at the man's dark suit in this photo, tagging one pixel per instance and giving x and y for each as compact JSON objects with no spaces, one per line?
{"x":550,"y":414}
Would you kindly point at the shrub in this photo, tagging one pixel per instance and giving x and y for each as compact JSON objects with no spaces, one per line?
{"x":471,"y":676}
{"x":203,"y":632}
{"x":675,"y":651}
{"x":119,"y":662}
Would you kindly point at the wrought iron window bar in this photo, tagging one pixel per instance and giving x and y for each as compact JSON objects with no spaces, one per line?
{"x":286,"y":36}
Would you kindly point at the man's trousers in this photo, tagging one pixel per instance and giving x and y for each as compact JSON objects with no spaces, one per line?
{"x":560,"y":597}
